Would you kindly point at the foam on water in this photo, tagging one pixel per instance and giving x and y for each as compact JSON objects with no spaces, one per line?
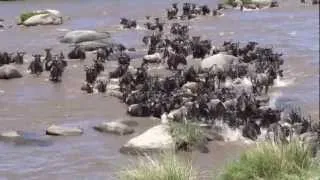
{"x":279,"y":82}
{"x":62,"y":29}
{"x":230,"y":134}
{"x":293,"y":33}
{"x":274,"y":98}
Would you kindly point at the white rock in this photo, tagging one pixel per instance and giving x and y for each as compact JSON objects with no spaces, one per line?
{"x":83,"y":35}
{"x":55,"y":130}
{"x":10,"y":134}
{"x":156,"y":139}
{"x":152,"y":58}
{"x":114,"y":128}
{"x":115,"y":93}
{"x":113,"y":87}
{"x":43,"y":19}
{"x":219,"y":59}
{"x":9,"y":72}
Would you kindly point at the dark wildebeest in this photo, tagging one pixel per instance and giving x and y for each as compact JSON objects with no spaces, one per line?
{"x":77,"y":53}
{"x":128,"y":23}
{"x":36,"y":66}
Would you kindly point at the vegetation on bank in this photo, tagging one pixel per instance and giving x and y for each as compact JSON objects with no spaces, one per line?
{"x":27,"y":15}
{"x":234,"y":3}
{"x":271,"y":161}
{"x":166,"y":167}
{"x":187,"y":135}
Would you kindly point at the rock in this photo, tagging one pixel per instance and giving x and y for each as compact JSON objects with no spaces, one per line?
{"x":115,"y":93}
{"x":221,"y":60}
{"x":79,"y":36}
{"x":313,"y":140}
{"x":24,"y":138}
{"x":114,"y":128}
{"x":43,"y":19}
{"x":156,"y":139}
{"x":129,"y":123}
{"x":9,"y":72}
{"x":261,"y":2}
{"x":113,"y":87}
{"x":55,"y":130}
{"x":9,"y":134}
{"x":92,"y":45}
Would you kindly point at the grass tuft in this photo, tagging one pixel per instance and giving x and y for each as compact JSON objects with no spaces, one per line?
{"x":27,"y":15}
{"x":269,"y":161}
{"x":233,"y":2}
{"x":167,"y":167}
{"x":186,"y":135}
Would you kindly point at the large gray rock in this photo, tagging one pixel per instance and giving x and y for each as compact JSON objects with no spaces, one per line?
{"x":221,"y":60}
{"x":92,"y":45}
{"x":114,"y":128}
{"x":24,"y":138}
{"x":83,"y":35}
{"x":156,"y":139}
{"x":9,"y":72}
{"x":55,"y":130}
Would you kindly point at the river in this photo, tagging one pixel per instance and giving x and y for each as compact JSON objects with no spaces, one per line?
{"x":31,"y":103}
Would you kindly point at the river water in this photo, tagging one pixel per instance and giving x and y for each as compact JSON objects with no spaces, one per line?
{"x":33,"y":103}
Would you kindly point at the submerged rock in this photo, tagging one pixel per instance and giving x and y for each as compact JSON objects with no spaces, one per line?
{"x":24,"y":138}
{"x":55,"y":130}
{"x":79,"y":36}
{"x":114,"y":128}
{"x":9,"y":72}
{"x":155,"y":139}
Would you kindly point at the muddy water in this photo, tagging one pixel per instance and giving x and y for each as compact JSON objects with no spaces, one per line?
{"x":33,"y":103}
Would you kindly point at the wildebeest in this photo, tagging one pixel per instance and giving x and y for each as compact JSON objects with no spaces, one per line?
{"x":127,"y":23}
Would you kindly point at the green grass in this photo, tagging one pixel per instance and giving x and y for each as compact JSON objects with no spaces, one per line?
{"x":232,"y":2}
{"x":186,"y":134}
{"x":27,"y":15}
{"x":167,"y":167}
{"x":270,"y":161}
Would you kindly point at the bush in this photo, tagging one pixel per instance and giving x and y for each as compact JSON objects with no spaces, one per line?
{"x":186,"y":135}
{"x":271,"y":161}
{"x":168,"y":167}
{"x":233,"y":3}
{"x":27,"y":15}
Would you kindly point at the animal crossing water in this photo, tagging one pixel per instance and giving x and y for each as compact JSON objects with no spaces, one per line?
{"x":31,"y":103}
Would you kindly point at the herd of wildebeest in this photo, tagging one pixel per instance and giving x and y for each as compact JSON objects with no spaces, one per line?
{"x":235,"y":93}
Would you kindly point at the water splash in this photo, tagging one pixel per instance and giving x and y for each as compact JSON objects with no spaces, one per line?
{"x":279,"y":82}
{"x":230,"y":134}
{"x":274,"y":97}
{"x":293,"y":33}
{"x":141,"y":28}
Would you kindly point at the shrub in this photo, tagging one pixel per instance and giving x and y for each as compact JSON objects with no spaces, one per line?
{"x":167,"y":167}
{"x":269,"y":161}
{"x":27,"y":15}
{"x":187,"y":135}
